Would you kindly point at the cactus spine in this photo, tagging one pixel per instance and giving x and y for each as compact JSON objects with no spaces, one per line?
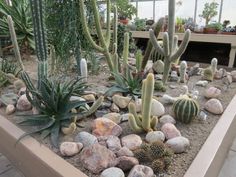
{"x":84,"y":69}
{"x":170,"y":42}
{"x":145,"y":121}
{"x":138,"y":58}
{"x":104,"y":40}
{"x":182,"y":71}
{"x":214,"y":63}
{"x":37,"y":8}
{"x":14,"y":41}
{"x":185,"y":109}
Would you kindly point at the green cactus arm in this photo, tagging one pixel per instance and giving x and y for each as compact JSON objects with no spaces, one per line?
{"x":86,"y":29}
{"x":157,"y":29}
{"x":176,"y":38}
{"x":171,"y":24}
{"x":132,"y":110}
{"x":14,"y":41}
{"x":126,"y":48}
{"x":138,"y":58}
{"x":182,"y":46}
{"x":115,"y":25}
{"x":183,"y":67}
{"x":166,"y":48}
{"x":133,"y":125}
{"x":155,"y":43}
{"x":147,"y":101}
{"x":94,"y":107}
{"x":108,"y":31}
{"x":115,"y":59}
{"x":154,"y":122}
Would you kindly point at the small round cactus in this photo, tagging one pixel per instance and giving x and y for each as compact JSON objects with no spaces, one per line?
{"x":208,"y":74}
{"x":185,"y":109}
{"x":157,"y":150}
{"x":158,"y":166}
{"x":141,"y":155}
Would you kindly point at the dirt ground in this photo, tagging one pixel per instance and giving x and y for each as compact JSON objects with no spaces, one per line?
{"x":197,"y":132}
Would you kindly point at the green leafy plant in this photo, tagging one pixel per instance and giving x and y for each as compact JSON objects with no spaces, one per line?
{"x":209,"y":11}
{"x":216,"y":26}
{"x":125,"y":9}
{"x":21,"y":15}
{"x":9,"y":67}
{"x":54,"y":106}
{"x":140,"y":24}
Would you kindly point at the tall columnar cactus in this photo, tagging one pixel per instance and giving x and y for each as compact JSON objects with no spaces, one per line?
{"x":126,"y":53}
{"x":182,"y":71}
{"x":14,"y":41}
{"x":38,"y":11}
{"x":84,"y":69}
{"x":145,"y":122}
{"x":138,"y":57}
{"x":103,"y":39}
{"x":170,"y":42}
{"x":214,"y":63}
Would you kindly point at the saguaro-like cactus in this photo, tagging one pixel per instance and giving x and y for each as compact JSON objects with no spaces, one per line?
{"x":38,"y":11}
{"x":145,"y":122}
{"x":103,"y":39}
{"x":170,"y":42}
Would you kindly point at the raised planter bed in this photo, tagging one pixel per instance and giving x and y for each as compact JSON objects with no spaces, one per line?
{"x":34,"y":159}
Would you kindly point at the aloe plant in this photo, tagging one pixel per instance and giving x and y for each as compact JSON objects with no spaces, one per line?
{"x":22,"y":18}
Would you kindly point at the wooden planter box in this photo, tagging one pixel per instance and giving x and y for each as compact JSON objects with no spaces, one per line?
{"x":36,"y":160}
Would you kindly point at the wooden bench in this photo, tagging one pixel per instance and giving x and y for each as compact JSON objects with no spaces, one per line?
{"x":211,"y":38}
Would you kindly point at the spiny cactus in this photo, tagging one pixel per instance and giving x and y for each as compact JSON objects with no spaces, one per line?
{"x":141,"y":155}
{"x":158,"y":66}
{"x":185,"y":109}
{"x":104,"y":39}
{"x":138,"y":58}
{"x":84,"y":69}
{"x":158,"y":166}
{"x":94,"y":107}
{"x":182,"y":71}
{"x":155,"y":55}
{"x":14,"y":41}
{"x":156,"y":150}
{"x":145,"y":121}
{"x":214,"y":63}
{"x":170,"y":42}
{"x":208,"y":74}
{"x":126,"y":53}
{"x":159,"y":86}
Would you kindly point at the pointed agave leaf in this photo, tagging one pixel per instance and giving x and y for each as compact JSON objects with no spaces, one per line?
{"x":45,"y":134}
{"x":115,"y":89}
{"x":55,"y":134}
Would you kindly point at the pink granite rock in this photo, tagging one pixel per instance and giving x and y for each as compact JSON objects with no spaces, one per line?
{"x":214,"y":106}
{"x":131,"y":141}
{"x":212,"y":92}
{"x":170,"y":131}
{"x":141,"y":171}
{"x":23,"y":103}
{"x":113,"y":143}
{"x":70,"y":148}
{"x":127,"y":163}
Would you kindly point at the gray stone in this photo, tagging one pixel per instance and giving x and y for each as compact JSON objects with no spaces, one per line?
{"x":70,"y":148}
{"x":114,"y":108}
{"x":124,"y":151}
{"x":141,"y":171}
{"x":124,"y":117}
{"x":120,"y":101}
{"x":178,"y":144}
{"x":127,"y":163}
{"x":113,"y":172}
{"x":131,"y":141}
{"x":113,"y":143}
{"x":23,"y":104}
{"x":86,"y":139}
{"x":212,"y":92}
{"x":155,"y":136}
{"x":115,"y":117}
{"x":97,"y":158}
{"x":167,"y":119}
{"x":202,"y":83}
{"x":214,"y":106}
{"x":10,"y":109}
{"x":170,"y":131}
{"x":9,"y":98}
{"x":157,"y":108}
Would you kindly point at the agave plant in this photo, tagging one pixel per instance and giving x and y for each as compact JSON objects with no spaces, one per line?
{"x":54,"y":106}
{"x":126,"y":84}
{"x":9,"y":67}
{"x":21,"y":15}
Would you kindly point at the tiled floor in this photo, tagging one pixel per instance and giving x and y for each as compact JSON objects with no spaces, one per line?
{"x":228,"y":169}
{"x":6,"y":169}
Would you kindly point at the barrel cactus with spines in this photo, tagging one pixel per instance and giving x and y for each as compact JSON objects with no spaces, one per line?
{"x":186,"y":109}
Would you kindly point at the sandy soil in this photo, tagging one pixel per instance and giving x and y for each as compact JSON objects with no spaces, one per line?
{"x":197,"y":132}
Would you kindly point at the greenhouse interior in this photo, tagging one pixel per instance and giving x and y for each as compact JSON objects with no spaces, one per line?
{"x":117,"y":88}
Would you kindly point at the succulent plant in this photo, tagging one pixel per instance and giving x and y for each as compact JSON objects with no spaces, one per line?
{"x":185,"y":109}
{"x":141,"y":155}
{"x":84,"y":69}
{"x":159,"y":86}
{"x":144,"y":122}
{"x":157,"y":150}
{"x":158,"y":166}
{"x":214,"y":63}
{"x":182,"y":71}
{"x":208,"y":74}
{"x":158,"y":66}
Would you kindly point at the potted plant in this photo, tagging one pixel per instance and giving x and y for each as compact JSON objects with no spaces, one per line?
{"x":228,"y":29}
{"x":125,"y":11}
{"x":140,"y":24}
{"x":209,"y":11}
{"x":212,"y":28}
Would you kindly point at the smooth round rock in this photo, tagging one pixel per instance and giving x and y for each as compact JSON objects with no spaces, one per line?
{"x":23,"y":103}
{"x":114,"y":108}
{"x":86,"y":139}
{"x":113,"y":143}
{"x":178,"y":144}
{"x":214,"y":106}
{"x":115,"y":117}
{"x":10,"y":109}
{"x":70,"y":148}
{"x":141,"y":171}
{"x":113,"y":172}
{"x":167,"y":119}
{"x":212,"y":92}
{"x":124,"y":151}
{"x":170,"y":131}
{"x":120,"y":101}
{"x":131,"y":141}
{"x":157,"y":108}
{"x":127,"y":163}
{"x":89,"y":97}
{"x":155,"y":136}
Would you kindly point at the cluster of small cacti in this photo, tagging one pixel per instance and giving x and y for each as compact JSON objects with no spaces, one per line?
{"x":208,"y":74}
{"x":185,"y":109}
{"x":144,"y":122}
{"x":159,"y":86}
{"x":157,"y":153}
{"x":170,"y":49}
{"x":182,"y":71}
